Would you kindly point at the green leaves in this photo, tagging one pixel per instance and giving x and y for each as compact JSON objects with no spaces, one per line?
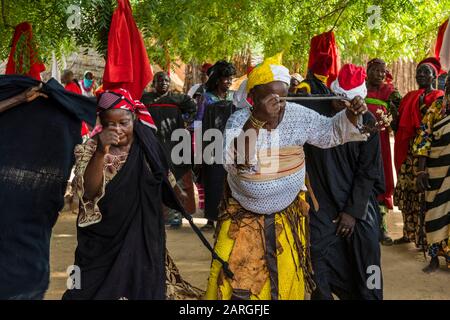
{"x":208,"y":30}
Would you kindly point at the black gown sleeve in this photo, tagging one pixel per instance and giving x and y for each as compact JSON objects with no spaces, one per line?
{"x":188,"y":106}
{"x":367,"y":175}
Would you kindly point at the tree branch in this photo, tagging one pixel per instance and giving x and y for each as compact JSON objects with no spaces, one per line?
{"x":339,"y":16}
{"x":341,"y":8}
{"x":6,"y":24}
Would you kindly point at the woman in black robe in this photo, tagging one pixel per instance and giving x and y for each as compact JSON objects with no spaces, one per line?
{"x":121,"y":177}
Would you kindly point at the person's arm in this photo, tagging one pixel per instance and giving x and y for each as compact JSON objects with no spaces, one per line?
{"x":93,"y":175}
{"x":368,"y":172}
{"x":313,"y":128}
{"x":188,"y":107}
{"x":193,"y":90}
{"x":26,"y":96}
{"x":324,"y":132}
{"x":394,"y":105}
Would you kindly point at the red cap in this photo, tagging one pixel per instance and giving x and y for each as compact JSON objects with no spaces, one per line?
{"x":351,"y":76}
{"x":433,"y":63}
{"x":323,"y":64}
{"x":205,"y":67}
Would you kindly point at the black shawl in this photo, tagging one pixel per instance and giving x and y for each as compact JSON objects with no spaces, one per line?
{"x":37,"y":140}
{"x":213,"y":175}
{"x":168,"y":118}
{"x":346,"y":178}
{"x":124,"y":254}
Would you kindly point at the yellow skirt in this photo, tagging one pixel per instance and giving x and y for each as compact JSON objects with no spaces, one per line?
{"x":291,"y":281}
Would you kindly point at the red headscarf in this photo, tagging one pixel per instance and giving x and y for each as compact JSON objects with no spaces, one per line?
{"x":410,"y":120}
{"x":205,"y":67}
{"x":24,"y":58}
{"x":434,"y":64}
{"x":127,"y":65}
{"x":122,"y":99}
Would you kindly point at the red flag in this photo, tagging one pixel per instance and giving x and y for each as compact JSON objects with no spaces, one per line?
{"x":325,"y":43}
{"x":440,"y":39}
{"x":443,"y":46}
{"x":127,"y":65}
{"x":24,"y":58}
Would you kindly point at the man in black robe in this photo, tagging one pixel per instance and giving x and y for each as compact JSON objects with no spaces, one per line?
{"x":345,"y":250}
{"x":39,"y":127}
{"x":172,"y":111}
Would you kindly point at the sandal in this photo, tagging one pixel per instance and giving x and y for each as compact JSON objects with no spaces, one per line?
{"x":402,"y":240}
{"x":386,"y":240}
{"x":207,"y":227}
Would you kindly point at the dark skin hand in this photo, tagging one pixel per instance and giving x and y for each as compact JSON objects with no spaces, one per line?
{"x":266,"y":103}
{"x":422,"y":183}
{"x":115,"y":138}
{"x":354,"y":108}
{"x":346,"y":225}
{"x":26,"y":96}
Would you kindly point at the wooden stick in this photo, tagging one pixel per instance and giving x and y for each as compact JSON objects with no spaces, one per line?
{"x":314,"y":98}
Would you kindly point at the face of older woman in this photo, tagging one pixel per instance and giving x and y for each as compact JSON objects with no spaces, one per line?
{"x":120,"y":121}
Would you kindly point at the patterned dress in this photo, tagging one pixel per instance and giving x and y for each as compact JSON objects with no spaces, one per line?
{"x":423,"y":146}
{"x":89,"y":213}
{"x":409,"y":200}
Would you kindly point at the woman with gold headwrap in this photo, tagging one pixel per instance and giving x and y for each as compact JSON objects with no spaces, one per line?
{"x":263,"y":227}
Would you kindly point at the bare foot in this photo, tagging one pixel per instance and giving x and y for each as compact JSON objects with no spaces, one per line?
{"x":433,"y":266}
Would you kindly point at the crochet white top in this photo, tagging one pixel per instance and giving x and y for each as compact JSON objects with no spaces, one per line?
{"x":300,"y":125}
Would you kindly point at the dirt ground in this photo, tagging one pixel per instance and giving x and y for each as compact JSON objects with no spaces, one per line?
{"x":401,"y":265}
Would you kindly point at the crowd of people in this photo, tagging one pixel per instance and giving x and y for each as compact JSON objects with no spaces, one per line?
{"x":312,"y":223}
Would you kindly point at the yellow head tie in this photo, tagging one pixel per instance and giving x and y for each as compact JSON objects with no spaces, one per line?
{"x":270,"y":70}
